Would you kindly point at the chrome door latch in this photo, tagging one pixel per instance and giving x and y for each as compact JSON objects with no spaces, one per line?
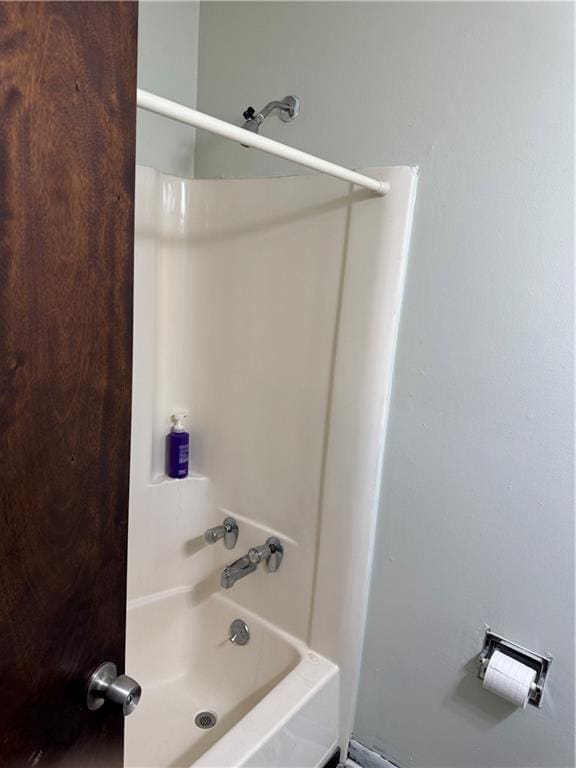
{"x":106,"y":684}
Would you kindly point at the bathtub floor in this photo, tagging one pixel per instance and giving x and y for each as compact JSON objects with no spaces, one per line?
{"x":168,"y":710}
{"x":177,"y":740}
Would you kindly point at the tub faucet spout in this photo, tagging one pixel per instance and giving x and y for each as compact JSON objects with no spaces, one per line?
{"x":270,"y":553}
{"x":236,"y":571}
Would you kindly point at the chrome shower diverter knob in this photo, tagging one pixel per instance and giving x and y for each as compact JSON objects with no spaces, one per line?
{"x":106,"y":684}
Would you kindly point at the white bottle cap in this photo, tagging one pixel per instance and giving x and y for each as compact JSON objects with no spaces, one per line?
{"x":178,"y":419}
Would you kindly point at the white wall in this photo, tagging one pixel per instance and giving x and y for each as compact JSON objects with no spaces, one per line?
{"x":476,"y":521}
{"x":167,"y":65}
{"x":249,"y":294}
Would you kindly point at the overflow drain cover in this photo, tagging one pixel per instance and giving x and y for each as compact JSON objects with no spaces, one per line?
{"x":205,"y":720}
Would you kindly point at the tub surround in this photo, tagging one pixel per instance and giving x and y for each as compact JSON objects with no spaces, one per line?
{"x":267,"y":310}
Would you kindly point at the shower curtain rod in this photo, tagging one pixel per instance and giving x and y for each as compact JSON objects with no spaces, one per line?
{"x":174,"y":111}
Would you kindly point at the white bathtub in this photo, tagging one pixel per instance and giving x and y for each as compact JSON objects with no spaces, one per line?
{"x":276,"y":701}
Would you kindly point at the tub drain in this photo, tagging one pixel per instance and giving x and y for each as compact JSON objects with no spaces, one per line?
{"x":205,"y":720}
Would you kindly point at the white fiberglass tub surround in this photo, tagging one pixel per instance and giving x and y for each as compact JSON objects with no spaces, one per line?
{"x":268,"y":310}
{"x":274,"y":699}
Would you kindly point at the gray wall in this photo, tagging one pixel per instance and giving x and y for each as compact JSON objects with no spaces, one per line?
{"x":476,"y":519}
{"x":167,"y":66}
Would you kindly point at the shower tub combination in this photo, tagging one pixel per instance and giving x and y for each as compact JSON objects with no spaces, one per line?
{"x":271,"y":702}
{"x":268,"y":310}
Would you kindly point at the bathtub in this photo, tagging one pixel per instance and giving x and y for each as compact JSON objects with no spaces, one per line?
{"x":275,"y":700}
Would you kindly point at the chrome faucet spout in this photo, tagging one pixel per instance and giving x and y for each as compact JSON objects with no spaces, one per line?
{"x":236,"y":571}
{"x":270,"y":553}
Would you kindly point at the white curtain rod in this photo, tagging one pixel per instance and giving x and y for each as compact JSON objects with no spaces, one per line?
{"x":174,"y":111}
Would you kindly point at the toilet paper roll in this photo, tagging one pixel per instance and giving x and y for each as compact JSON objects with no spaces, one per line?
{"x":509,"y":679}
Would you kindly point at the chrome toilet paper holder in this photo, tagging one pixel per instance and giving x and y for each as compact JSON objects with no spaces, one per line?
{"x":540,"y":662}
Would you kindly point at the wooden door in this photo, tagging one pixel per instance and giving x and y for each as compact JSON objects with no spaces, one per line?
{"x":67,"y":138}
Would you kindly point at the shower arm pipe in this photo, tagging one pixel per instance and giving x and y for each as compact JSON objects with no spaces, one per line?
{"x":270,"y":107}
{"x":152,"y":103}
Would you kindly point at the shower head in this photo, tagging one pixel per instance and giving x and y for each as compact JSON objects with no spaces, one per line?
{"x":253,"y":121}
{"x":288,"y":109}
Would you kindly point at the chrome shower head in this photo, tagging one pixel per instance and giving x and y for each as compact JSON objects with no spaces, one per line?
{"x":253,"y":121}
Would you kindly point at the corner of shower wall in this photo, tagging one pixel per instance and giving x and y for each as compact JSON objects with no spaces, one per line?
{"x":164,"y":514}
{"x":161,"y":251}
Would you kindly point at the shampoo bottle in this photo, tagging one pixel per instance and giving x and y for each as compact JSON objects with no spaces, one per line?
{"x":178,"y":442}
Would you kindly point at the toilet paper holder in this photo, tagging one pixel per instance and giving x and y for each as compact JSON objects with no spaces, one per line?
{"x":537,"y":661}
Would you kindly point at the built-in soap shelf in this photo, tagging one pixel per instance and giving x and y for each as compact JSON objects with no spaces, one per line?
{"x":165,"y":480}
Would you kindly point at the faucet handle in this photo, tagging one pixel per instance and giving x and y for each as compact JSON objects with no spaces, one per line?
{"x":227,"y":531}
{"x":272,"y":552}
